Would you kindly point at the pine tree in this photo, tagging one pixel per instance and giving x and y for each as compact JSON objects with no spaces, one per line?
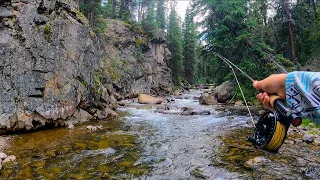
{"x":161,"y":15}
{"x":149,"y":23}
{"x":174,"y":44}
{"x":189,"y":47}
{"x":124,"y":13}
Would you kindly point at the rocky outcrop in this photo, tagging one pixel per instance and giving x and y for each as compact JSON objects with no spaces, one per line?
{"x":45,"y":48}
{"x":53,"y":68}
{"x":135,"y":64}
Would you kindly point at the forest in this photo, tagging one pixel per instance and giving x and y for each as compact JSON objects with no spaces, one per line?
{"x":260,"y":36}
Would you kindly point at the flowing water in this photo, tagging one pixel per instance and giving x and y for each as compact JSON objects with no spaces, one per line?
{"x":156,"y":142}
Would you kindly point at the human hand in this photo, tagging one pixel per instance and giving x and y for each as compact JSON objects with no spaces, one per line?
{"x":274,"y":84}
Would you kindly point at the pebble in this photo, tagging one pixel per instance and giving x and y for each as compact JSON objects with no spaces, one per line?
{"x":95,"y":128}
{"x":3,"y":156}
{"x":70,"y":126}
{"x":9,"y":158}
{"x":257,"y":161}
{"x":308,"y":138}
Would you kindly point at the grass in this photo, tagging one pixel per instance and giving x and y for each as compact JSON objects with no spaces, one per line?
{"x":305,"y":122}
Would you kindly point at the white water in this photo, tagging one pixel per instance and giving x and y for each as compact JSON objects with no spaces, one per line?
{"x":176,"y":145}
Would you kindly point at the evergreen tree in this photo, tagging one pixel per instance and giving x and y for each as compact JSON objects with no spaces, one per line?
{"x":189,"y":47}
{"x":149,"y":23}
{"x":174,"y":44}
{"x":161,"y":14}
{"x":124,"y":13}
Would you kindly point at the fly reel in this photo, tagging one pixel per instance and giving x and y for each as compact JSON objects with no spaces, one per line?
{"x":271,"y":129}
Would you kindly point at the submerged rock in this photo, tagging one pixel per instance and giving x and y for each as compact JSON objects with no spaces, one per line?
{"x":256,"y":162}
{"x":94,"y":128}
{"x":238,"y":103}
{"x":105,"y":114}
{"x":146,"y":99}
{"x":9,"y":158}
{"x":207,"y":99}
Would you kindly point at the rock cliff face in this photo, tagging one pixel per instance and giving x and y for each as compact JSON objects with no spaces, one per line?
{"x":51,"y":71}
{"x":135,"y":64}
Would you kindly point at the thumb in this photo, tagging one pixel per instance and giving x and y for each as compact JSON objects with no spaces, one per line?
{"x":257,"y":85}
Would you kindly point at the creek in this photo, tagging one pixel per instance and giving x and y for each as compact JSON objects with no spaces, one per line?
{"x":157,"y":142}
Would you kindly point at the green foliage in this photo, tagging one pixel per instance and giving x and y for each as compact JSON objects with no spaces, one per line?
{"x":174,"y":44}
{"x":240,"y":31}
{"x":47,"y":29}
{"x":140,"y":41}
{"x":149,"y":23}
{"x":112,"y":66}
{"x":305,"y":122}
{"x":100,"y":26}
{"x":161,"y":15}
{"x":82,"y":17}
{"x":139,"y":54}
{"x":189,"y":47}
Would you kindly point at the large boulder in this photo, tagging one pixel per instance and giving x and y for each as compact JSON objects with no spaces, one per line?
{"x":146,"y":99}
{"x":224,"y":92}
{"x":207,"y":99}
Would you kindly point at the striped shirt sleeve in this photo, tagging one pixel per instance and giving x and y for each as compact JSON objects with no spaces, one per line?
{"x":303,"y":94}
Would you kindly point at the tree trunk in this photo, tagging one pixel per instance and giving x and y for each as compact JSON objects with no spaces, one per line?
{"x":92,"y":8}
{"x":114,"y":7}
{"x":291,"y":31}
{"x":131,"y":6}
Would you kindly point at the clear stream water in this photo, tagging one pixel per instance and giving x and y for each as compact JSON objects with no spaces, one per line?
{"x":155,"y":142}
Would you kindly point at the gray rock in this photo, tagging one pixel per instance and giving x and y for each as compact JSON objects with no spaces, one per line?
{"x":308,"y":138}
{"x":105,"y":114}
{"x":4,"y":13}
{"x":224,"y":91}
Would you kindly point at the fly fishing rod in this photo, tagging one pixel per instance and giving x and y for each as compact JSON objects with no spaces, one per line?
{"x":272,"y":127}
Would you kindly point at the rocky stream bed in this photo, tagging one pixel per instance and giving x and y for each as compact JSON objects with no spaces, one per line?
{"x":176,"y":140}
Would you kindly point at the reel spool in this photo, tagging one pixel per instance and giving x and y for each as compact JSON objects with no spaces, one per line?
{"x":271,"y":129}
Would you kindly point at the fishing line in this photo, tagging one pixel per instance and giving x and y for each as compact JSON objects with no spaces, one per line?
{"x":271,"y":129}
{"x":229,"y":62}
{"x":244,"y":98}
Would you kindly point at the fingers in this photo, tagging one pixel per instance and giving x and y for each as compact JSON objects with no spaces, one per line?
{"x":265,"y":99}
